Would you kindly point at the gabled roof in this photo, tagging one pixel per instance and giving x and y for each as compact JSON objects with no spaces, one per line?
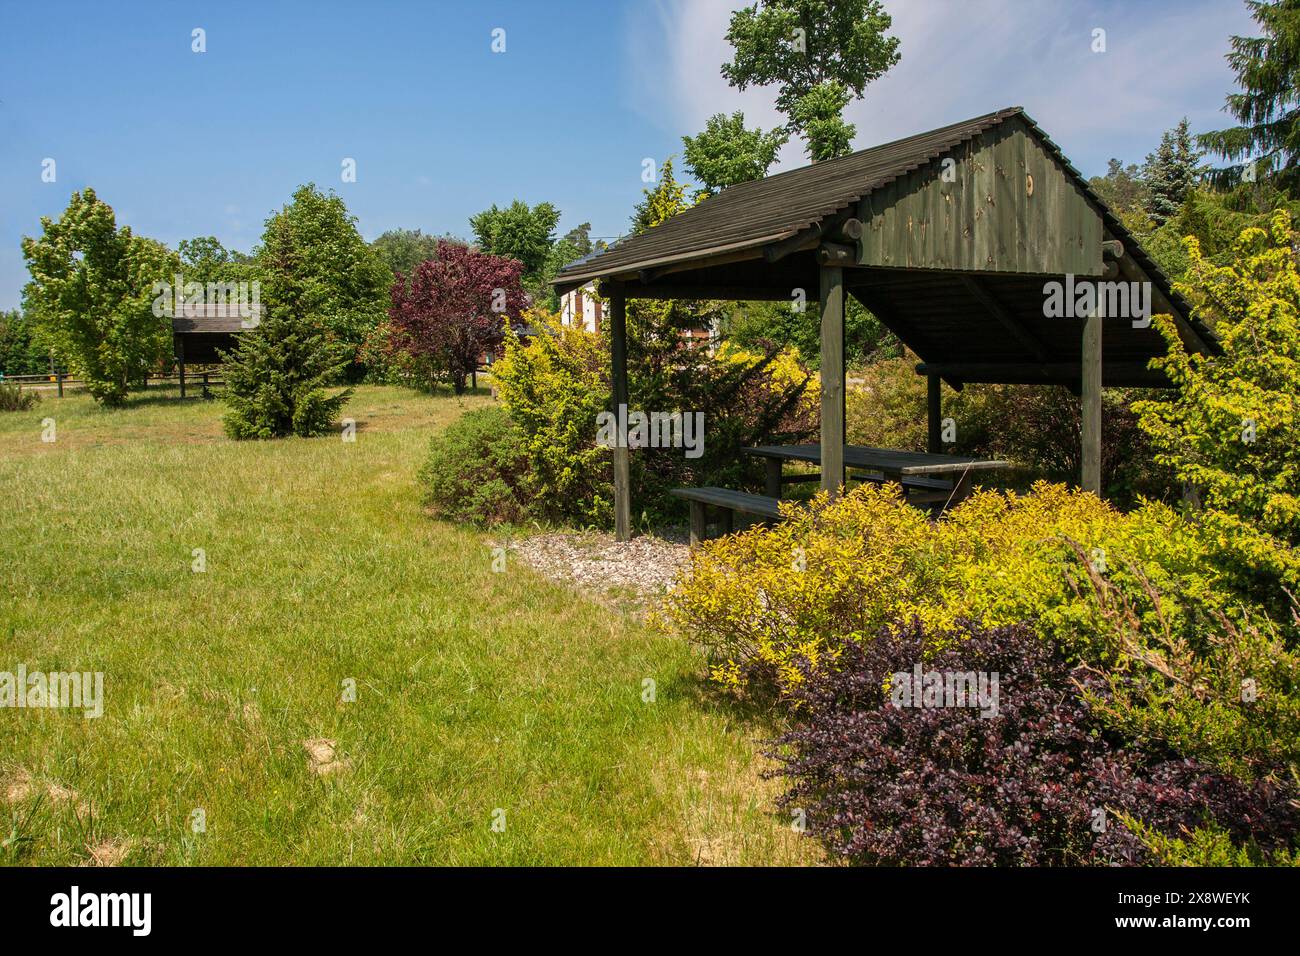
{"x":753,"y":214}
{"x":214,"y":317}
{"x":749,"y":216}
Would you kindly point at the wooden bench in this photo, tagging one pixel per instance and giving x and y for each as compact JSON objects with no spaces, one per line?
{"x":918,"y":489}
{"x":729,"y":503}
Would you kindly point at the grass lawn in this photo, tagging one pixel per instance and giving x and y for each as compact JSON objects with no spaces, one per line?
{"x":476,"y":691}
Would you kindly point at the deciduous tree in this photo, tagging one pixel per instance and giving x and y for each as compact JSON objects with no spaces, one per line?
{"x":91,"y":293}
{"x":725,"y":152}
{"x":454,"y":308}
{"x":518,"y":232}
{"x":800,"y":45}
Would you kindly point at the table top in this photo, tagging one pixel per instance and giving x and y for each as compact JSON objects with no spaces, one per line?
{"x":887,"y":460}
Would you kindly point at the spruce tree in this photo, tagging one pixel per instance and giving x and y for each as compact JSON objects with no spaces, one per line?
{"x":1170,"y":172}
{"x":277,"y":380}
{"x":1268,"y":107}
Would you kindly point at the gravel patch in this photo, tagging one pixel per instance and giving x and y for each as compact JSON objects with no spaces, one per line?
{"x":594,"y":562}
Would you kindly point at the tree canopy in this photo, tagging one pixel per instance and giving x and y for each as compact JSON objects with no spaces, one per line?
{"x":313,"y":258}
{"x":454,"y":308}
{"x":401,"y":250}
{"x":829,"y":50}
{"x":92,"y":294}
{"x":1171,"y":172}
{"x":1268,"y":106}
{"x":725,"y":152}
{"x":519,"y":232}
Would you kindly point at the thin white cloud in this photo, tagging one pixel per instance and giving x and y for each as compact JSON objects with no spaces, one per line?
{"x":961,"y":58}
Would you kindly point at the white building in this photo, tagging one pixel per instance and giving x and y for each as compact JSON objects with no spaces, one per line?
{"x":582,"y":307}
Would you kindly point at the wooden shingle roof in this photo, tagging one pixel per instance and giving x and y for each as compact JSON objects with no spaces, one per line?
{"x":750,"y":216}
{"x":777,"y":207}
{"x":214,"y":318}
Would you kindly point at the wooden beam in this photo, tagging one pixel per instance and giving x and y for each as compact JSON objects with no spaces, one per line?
{"x":934,"y":409}
{"x":905,"y":331}
{"x":804,"y":239}
{"x":1090,"y":406}
{"x":618,"y":378}
{"x":1160,"y":303}
{"x":850,"y":230}
{"x":180,"y":360}
{"x":832,"y":376}
{"x":727,"y":292}
{"x":1116,"y":374}
{"x":840,"y":226}
{"x":1011,"y":323}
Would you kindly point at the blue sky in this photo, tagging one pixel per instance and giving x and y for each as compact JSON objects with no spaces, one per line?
{"x":183,"y":144}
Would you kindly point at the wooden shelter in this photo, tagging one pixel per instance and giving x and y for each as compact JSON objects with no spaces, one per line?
{"x":950,"y":238}
{"x":200,"y":333}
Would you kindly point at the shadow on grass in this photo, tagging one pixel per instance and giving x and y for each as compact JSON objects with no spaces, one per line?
{"x":760,"y":714}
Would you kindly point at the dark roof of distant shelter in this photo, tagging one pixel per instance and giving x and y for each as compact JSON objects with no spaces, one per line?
{"x":213,"y":318}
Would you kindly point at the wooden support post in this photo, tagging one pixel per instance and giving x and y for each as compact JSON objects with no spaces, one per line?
{"x":1090,"y":407}
{"x":60,"y":380}
{"x":699,"y":522}
{"x":773,"y":482}
{"x":832,"y":372}
{"x":934,"y":409}
{"x":618,"y":356}
{"x":180,"y":361}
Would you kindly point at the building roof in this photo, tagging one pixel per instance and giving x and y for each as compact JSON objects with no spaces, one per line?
{"x":214,"y":318}
{"x":754,"y":214}
{"x":761,"y":235}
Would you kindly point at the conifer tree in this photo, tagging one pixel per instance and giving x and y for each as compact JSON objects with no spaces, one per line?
{"x":1268,"y":107}
{"x":277,"y":380}
{"x":1170,"y":172}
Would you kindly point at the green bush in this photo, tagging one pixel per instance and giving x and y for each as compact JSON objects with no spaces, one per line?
{"x":1232,"y":431}
{"x":1142,"y":597}
{"x":14,"y":399}
{"x":554,"y":385}
{"x":477,"y":470}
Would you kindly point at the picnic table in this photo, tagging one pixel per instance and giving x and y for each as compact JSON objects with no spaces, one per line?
{"x":929,"y":477}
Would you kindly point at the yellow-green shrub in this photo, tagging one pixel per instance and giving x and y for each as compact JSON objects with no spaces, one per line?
{"x":762,"y":599}
{"x":785,"y":373}
{"x":553,"y":387}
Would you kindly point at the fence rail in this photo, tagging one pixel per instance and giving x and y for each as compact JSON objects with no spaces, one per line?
{"x":61,"y":380}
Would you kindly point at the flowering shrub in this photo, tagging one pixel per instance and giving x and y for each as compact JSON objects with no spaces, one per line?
{"x":1038,"y":782}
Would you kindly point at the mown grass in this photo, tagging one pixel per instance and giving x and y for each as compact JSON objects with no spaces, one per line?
{"x":476,"y":691}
